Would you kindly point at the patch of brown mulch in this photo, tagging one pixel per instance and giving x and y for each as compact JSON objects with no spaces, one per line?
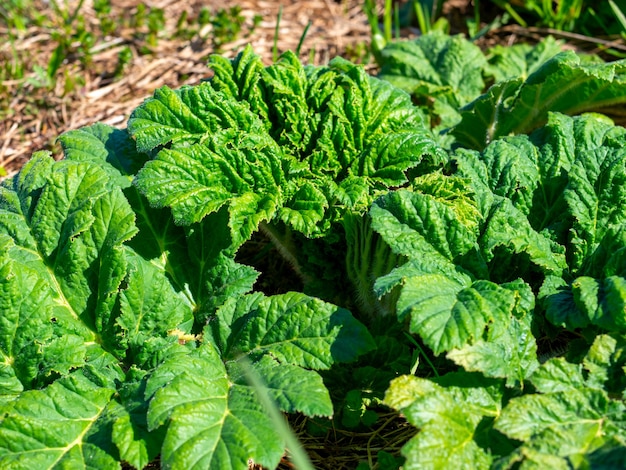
{"x":35,"y":116}
{"x":341,"y":449}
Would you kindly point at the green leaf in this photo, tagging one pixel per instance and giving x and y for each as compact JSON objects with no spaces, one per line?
{"x":294,"y":328}
{"x":198,"y":181}
{"x":595,"y":188}
{"x":285,"y":384}
{"x":589,"y":301}
{"x":513,"y":171}
{"x":185,"y":117}
{"x":605,"y":363}
{"x":149,"y":307}
{"x":512,"y":248}
{"x":27,"y":308}
{"x":204,"y":414}
{"x":558,"y":375}
{"x":239,"y":78}
{"x":520,"y":60}
{"x":101,"y":143}
{"x":50,"y":428}
{"x":449,"y":314}
{"x":67,"y":248}
{"x":566,"y":418}
{"x":135,"y":443}
{"x":446,"y":69}
{"x":562,"y":423}
{"x":276,"y":142}
{"x":562,"y":84}
{"x":447,"y":426}
{"x":306,"y":209}
{"x":226,"y":280}
{"x":509,"y":351}
{"x":476,"y":129}
{"x":441,"y":218}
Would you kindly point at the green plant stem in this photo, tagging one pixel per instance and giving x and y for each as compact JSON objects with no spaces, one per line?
{"x":477,"y":13}
{"x":423,"y":18}
{"x":367,"y":258}
{"x":514,"y":15}
{"x":396,"y":22}
{"x":377,"y":39}
{"x":619,"y":14}
{"x":388,"y":19}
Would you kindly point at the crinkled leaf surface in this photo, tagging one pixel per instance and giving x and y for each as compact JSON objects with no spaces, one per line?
{"x":294,"y":328}
{"x":217,"y":422}
{"x":213,"y":417}
{"x":563,"y":423}
{"x":438,"y":216}
{"x":571,"y":417}
{"x":126,"y":418}
{"x":595,"y":191}
{"x":95,"y":279}
{"x":285,"y":384}
{"x":520,"y":60}
{"x":562,"y":184}
{"x":102,"y":143}
{"x":437,"y":227}
{"x":64,"y":261}
{"x":509,"y":350}
{"x":149,"y":307}
{"x":449,"y":315}
{"x":604,"y":363}
{"x":303,"y":131}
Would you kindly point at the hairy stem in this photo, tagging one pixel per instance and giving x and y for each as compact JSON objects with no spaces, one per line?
{"x":368,"y":257}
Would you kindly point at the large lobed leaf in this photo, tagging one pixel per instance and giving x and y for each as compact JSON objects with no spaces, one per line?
{"x":447,"y":417}
{"x":53,"y":428}
{"x":562,"y":84}
{"x":547,"y":242}
{"x":446,"y":71}
{"x":450,"y":288}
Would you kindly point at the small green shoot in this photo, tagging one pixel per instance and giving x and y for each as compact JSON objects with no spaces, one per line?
{"x":276,"y":31}
{"x":124,"y":56}
{"x":302,"y":38}
{"x":428,"y":14}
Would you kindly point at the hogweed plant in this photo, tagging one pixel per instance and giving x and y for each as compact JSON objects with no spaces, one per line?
{"x":489,"y":244}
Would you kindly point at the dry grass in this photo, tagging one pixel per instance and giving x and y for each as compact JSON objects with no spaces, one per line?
{"x":340,"y":449}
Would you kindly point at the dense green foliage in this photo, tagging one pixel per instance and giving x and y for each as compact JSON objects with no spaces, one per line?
{"x":129,"y":323}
